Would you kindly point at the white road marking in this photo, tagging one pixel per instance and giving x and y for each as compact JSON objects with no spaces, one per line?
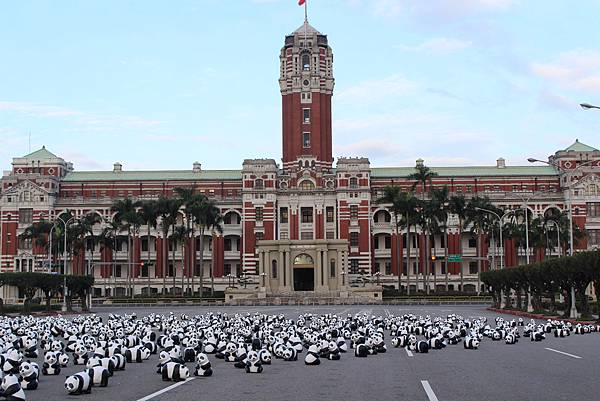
{"x":408,"y":352}
{"x":164,"y":390}
{"x":387,"y":312}
{"x":564,"y":353}
{"x":428,"y":390}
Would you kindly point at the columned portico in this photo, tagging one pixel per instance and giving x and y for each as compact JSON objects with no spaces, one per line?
{"x":306,"y":266}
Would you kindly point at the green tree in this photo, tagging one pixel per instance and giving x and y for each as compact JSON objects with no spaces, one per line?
{"x":127,"y":218}
{"x":148,"y":215}
{"x":457,"y":205}
{"x":208,"y":218}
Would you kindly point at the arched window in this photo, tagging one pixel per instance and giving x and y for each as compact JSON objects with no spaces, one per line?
{"x":306,"y":62}
{"x":307,"y":185}
{"x":274,"y":269}
{"x":303,"y":259}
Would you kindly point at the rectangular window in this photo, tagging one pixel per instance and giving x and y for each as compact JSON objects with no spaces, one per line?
{"x":330,"y":235}
{"x":469,"y":189}
{"x":388,"y":242}
{"x":24,"y":243}
{"x":227,"y":269}
{"x":284,"y":235}
{"x":329,"y":214}
{"x":472,"y":243}
{"x":283,"y":215}
{"x":353,"y":212}
{"x":259,"y":214}
{"x":306,"y":115}
{"x":118,"y":271}
{"x":171,"y":270}
{"x":354,"y":266}
{"x":260,"y":236}
{"x":307,"y":214}
{"x":144,"y":244}
{"x":227,"y":244}
{"x":306,"y":235}
{"x":593,"y":209}
{"x":388,"y":268}
{"x":144,"y":270}
{"x":25,"y":216}
{"x":472,"y":267}
{"x":354,"y":239}
{"x":306,"y":140}
{"x":332,"y":268}
{"x":515,"y":188}
{"x":593,"y":237}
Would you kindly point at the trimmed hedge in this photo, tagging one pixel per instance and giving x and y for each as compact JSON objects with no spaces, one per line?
{"x":547,"y":279}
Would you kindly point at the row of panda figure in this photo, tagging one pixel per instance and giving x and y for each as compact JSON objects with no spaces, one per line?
{"x":247,"y":342}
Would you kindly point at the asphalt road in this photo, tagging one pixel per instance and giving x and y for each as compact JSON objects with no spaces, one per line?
{"x":494,"y":372}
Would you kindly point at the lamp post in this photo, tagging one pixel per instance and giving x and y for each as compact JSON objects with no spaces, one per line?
{"x":557,"y":234}
{"x":500,"y":218}
{"x":588,"y":106}
{"x":573,"y":310}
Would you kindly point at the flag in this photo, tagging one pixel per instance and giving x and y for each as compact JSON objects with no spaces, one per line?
{"x":301,"y":2}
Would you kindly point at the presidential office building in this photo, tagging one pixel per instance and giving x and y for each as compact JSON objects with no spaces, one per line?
{"x":307,"y":223}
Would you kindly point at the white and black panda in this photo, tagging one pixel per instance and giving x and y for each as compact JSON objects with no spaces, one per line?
{"x":173,"y":371}
{"x":29,"y":373}
{"x":163,"y":358}
{"x":334,"y":352}
{"x":79,"y":383}
{"x":511,"y":339}
{"x":136,"y":354}
{"x":204,"y":367}
{"x":12,"y":361}
{"x":538,"y":335}
{"x":312,"y":356}
{"x":99,"y":375}
{"x":253,"y":364}
{"x":50,"y":367}
{"x":63,"y":359}
{"x":80,"y":355}
{"x":422,"y":347}
{"x":11,"y":389}
{"x":341,"y":344}
{"x":120,"y":361}
{"x":361,"y":350}
{"x":265,"y":356}
{"x":290,"y":354}
{"x":471,"y":343}
{"x":30,"y":348}
{"x":107,"y":363}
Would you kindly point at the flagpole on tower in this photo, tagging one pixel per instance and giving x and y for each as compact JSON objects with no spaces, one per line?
{"x":305,"y":11}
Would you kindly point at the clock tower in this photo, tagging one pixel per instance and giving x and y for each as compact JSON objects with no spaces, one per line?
{"x":306,"y":83}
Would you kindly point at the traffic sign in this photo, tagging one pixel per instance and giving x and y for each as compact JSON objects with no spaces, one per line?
{"x":454,"y":258}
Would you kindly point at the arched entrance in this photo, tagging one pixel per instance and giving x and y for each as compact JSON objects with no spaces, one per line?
{"x":304,"y":273}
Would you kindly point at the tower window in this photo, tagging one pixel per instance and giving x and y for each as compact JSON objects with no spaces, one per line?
{"x":306,"y":115}
{"x":306,"y":139}
{"x":306,"y":62}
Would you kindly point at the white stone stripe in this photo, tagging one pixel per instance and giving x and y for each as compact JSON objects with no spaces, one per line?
{"x":429,"y":391}
{"x":164,"y":390}
{"x":564,"y":353}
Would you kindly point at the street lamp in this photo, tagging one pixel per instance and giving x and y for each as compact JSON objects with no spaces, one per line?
{"x":573,"y":310}
{"x":500,"y":218}
{"x":557,"y":234}
{"x":588,"y":106}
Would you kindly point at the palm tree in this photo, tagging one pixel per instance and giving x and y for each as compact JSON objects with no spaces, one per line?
{"x":480,"y":223}
{"x":208,"y":218}
{"x":442,"y":201}
{"x":107,"y":240}
{"x":87,"y":224}
{"x":457,"y":205}
{"x":168,"y":209}
{"x":148,"y":214}
{"x":392,"y":195}
{"x":192,"y":201}
{"x":126,"y":216}
{"x":180,"y":235}
{"x":422,"y":175}
{"x":38,"y":233}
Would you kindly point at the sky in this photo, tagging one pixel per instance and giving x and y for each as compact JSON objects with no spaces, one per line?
{"x":161,"y":84}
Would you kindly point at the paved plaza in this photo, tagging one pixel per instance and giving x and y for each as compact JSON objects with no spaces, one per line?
{"x":554,"y":369}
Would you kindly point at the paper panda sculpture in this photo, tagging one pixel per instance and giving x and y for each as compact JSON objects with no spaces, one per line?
{"x":50,"y":367}
{"x":79,"y":383}
{"x":136,"y":354}
{"x":30,"y":348}
{"x":253,"y":364}
{"x":12,"y":361}
{"x":80,"y":355}
{"x":173,"y":371}
{"x":120,"y":361}
{"x":11,"y":389}
{"x":163,"y":358}
{"x":106,"y":363}
{"x":361,"y":351}
{"x":29,"y":373}
{"x":312,"y":356}
{"x":99,"y":376}
{"x":63,"y":359}
{"x":265,"y":356}
{"x":471,"y":343}
{"x":511,"y":339}
{"x":203,"y":368}
{"x":290,"y":354}
{"x":341,"y":344}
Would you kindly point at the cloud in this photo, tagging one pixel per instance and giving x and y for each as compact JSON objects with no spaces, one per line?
{"x":577,"y":69}
{"x":370,"y":147}
{"x":444,"y":10}
{"x":85,"y":121}
{"x":375,"y":90}
{"x":437,"y":45}
{"x":550,"y":99}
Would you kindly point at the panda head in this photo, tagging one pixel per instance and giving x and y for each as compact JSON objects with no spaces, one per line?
{"x":164,"y":357}
{"x":80,"y":350}
{"x":50,"y":358}
{"x":287,"y":353}
{"x":26,"y":369}
{"x":72,"y":383}
{"x":313,"y":349}
{"x":202,"y":358}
